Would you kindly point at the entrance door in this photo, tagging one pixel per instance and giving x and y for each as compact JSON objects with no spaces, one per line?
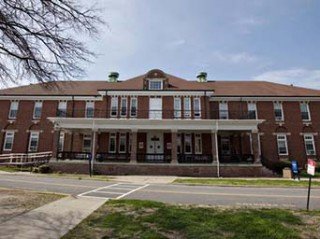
{"x":155,"y":146}
{"x":155,"y":108}
{"x":225,"y":146}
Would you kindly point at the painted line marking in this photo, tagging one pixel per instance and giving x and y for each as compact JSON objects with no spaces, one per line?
{"x":132,"y":191}
{"x":94,"y":190}
{"x":106,"y":192}
{"x":230,"y":194}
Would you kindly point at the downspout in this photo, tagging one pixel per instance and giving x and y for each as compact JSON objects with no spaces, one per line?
{"x":217,"y":150}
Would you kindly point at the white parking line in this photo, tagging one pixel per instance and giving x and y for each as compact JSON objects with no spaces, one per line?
{"x":126,"y":194}
{"x":94,"y":190}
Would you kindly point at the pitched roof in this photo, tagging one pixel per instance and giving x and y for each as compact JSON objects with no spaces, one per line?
{"x":220,"y":88}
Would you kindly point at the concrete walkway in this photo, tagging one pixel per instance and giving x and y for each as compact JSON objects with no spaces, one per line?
{"x":50,"y":221}
{"x":144,"y":179}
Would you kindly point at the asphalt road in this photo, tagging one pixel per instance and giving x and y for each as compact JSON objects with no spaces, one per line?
{"x":183,"y":194}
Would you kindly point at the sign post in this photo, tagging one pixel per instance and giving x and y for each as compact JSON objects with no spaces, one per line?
{"x":311,"y":171}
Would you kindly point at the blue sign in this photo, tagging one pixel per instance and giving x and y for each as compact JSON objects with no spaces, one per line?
{"x":294,"y":167}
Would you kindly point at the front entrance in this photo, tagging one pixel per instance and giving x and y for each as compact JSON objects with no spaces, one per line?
{"x":155,"y":146}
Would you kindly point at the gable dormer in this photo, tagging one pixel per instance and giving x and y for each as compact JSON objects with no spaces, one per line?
{"x":156,"y":80}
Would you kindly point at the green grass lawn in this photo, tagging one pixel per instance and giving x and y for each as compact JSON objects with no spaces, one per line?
{"x":147,"y":219}
{"x":245,"y":182}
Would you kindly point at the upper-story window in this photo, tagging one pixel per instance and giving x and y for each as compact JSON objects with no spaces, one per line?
{"x":177,"y":107}
{"x":309,"y":144}
{"x":123,"y":105}
{"x":282,"y":144}
{"x":197,"y":107}
{"x":8,"y":141}
{"x":114,"y":107}
{"x":13,"y":110}
{"x":89,"y":109}
{"x":223,"y":110}
{"x":133,"y":107}
{"x":34,"y":141}
{"x":187,"y":107}
{"x":155,"y":84}
{"x":252,"y":110}
{"x":37,"y":110}
{"x":62,"y":109}
{"x":305,"y":112}
{"x":278,"y":111}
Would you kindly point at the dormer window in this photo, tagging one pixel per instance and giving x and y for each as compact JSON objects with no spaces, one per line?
{"x":155,"y":84}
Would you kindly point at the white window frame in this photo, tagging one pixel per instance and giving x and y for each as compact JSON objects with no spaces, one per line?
{"x":6,"y":139}
{"x":252,"y":107}
{"x":189,"y":136}
{"x":308,"y":110}
{"x":282,"y":137}
{"x":197,"y":112}
{"x":122,"y":136}
{"x":37,"y":134}
{"x":14,"y":106}
{"x":61,"y":141}
{"x":177,"y":107}
{"x":278,"y":106}
{"x":309,"y":138}
{"x":62,"y":107}
{"x":114,"y":104}
{"x":37,"y":104}
{"x":89,"y":105}
{"x":223,"y":110}
{"x":112,"y":136}
{"x":187,"y":107}
{"x":136,"y":106}
{"x":153,"y":82}
{"x":123,"y":99}
{"x":198,"y":138}
{"x":87,"y":137}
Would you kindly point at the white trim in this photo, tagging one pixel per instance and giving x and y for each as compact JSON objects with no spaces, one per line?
{"x":123,"y":136}
{"x":89,"y":104}
{"x":112,"y":136}
{"x":13,"y":102}
{"x":281,"y":108}
{"x":48,"y":97}
{"x":264,"y":98}
{"x":133,"y":98}
{"x":38,"y":139}
{"x":199,"y":110}
{"x":308,"y":111}
{"x":34,"y":110}
{"x":5,"y":140}
{"x":286,"y":144}
{"x":313,"y":143}
{"x":114,"y":100}
{"x":159,"y":93}
{"x":126,"y":111}
{"x":155,"y":80}
{"x":184,"y":141}
{"x":198,"y":136}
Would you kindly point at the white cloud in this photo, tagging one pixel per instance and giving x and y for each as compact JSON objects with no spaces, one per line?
{"x":296,"y":76}
{"x":234,"y":58}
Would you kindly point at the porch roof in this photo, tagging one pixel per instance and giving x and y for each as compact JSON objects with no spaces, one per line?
{"x":152,"y":124}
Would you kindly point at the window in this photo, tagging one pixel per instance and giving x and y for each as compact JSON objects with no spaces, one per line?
{"x":61,"y":141}
{"x":37,"y":110}
{"x":282,"y":144}
{"x":62,"y":109}
{"x":155,"y":84}
{"x":34,"y":141}
{"x":123,"y":112}
{"x":87,"y":143}
{"x":112,"y":143}
{"x":179,"y":149}
{"x":225,"y":146}
{"x":133,"y":107}
{"x":187,"y":144}
{"x":223,"y":110}
{"x":8,"y":141}
{"x":197,"y":107}
{"x":198,"y":144}
{"x":114,"y":107}
{"x":305,"y":113}
{"x":187,"y":107}
{"x":309,"y":144}
{"x":89,"y":109}
{"x":13,"y":109}
{"x":177,"y":107}
{"x":278,"y":111}
{"x":122,"y":143}
{"x":252,"y":110}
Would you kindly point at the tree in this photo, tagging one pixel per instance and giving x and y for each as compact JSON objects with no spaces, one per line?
{"x":38,"y":39}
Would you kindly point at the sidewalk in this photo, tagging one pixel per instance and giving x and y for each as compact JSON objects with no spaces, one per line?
{"x":50,"y":221}
{"x":144,"y":179}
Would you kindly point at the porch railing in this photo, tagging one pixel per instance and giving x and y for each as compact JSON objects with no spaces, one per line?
{"x":113,"y":157}
{"x":237,"y":158}
{"x":195,"y":158}
{"x":153,"y":158}
{"x":25,"y":159}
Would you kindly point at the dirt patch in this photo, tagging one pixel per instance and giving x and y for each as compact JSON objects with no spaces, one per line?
{"x":16,"y":202}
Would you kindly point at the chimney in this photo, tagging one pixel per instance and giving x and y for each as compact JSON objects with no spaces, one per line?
{"x":202,"y":77}
{"x":113,"y":77}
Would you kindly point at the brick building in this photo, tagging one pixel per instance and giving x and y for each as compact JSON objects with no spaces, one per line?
{"x":158,"y":123}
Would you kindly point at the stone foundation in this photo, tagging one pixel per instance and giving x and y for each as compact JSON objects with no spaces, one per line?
{"x":163,"y":169}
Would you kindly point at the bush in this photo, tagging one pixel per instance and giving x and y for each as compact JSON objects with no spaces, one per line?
{"x":35,"y":170}
{"x":278,"y":166}
{"x":44,"y":169}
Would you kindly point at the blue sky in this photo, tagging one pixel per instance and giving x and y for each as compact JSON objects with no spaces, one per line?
{"x":231,"y":40}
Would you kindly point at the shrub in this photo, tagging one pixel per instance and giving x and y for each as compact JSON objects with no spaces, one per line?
{"x":35,"y":170}
{"x":44,"y":169}
{"x":278,"y":166}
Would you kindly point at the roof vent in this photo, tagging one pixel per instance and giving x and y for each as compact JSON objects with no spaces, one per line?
{"x":202,"y":77}
{"x":113,"y":77}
